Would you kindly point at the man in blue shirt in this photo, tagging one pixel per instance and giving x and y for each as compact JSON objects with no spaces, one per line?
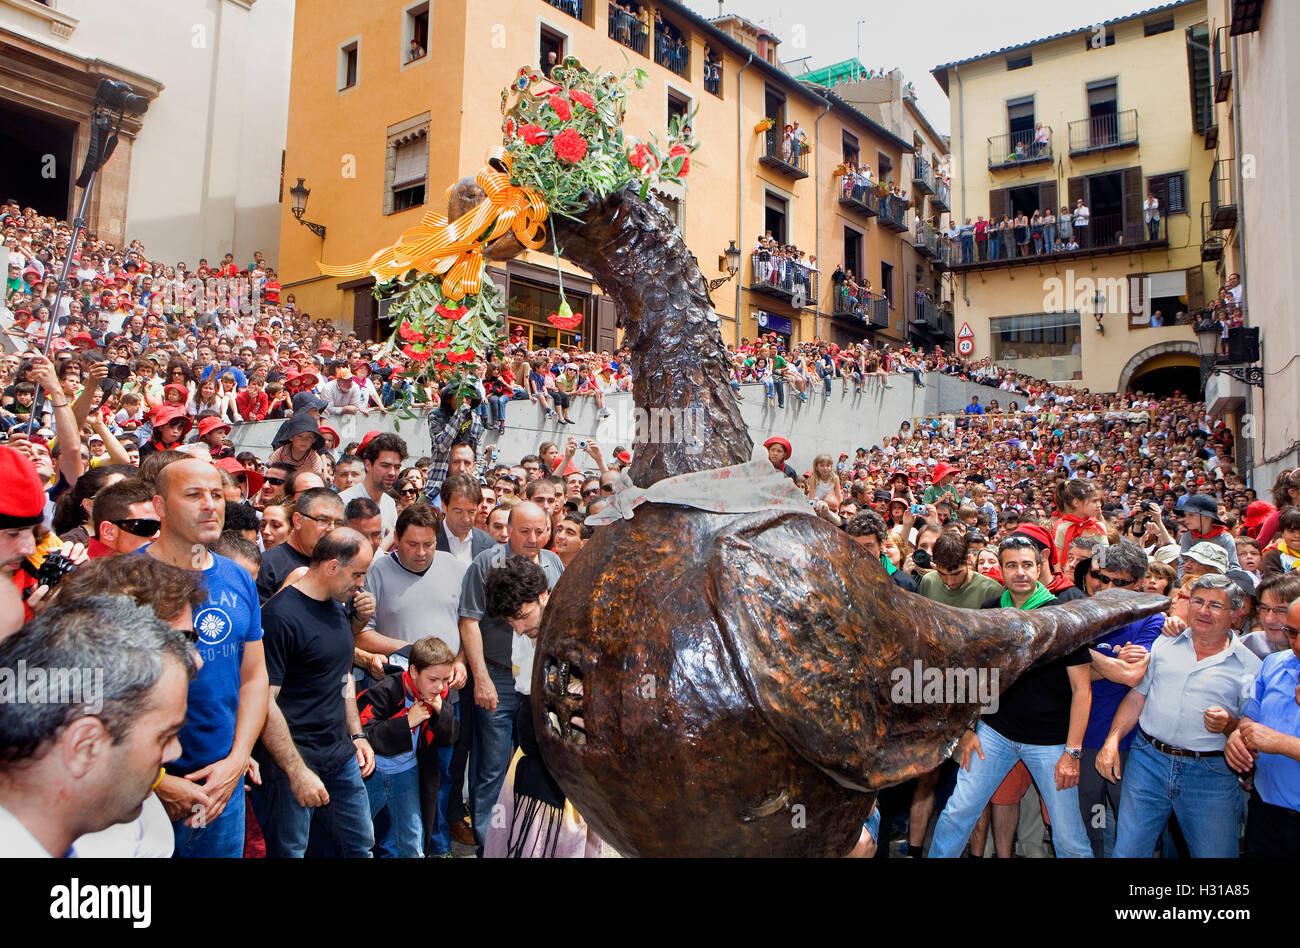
{"x":203,"y":790}
{"x":1268,"y":739}
{"x":975,"y":408}
{"x":1119,"y":661}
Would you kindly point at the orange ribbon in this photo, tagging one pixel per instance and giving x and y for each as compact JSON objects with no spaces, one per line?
{"x":454,"y":249}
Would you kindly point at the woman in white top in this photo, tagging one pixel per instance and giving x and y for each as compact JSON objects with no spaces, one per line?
{"x":825,"y":483}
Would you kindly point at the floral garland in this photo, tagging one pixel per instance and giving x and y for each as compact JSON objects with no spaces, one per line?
{"x":564,"y":143}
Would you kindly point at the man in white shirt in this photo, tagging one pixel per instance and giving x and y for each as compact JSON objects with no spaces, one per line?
{"x":1082,"y":218}
{"x":460,"y":495}
{"x":1151,"y":214}
{"x":87,"y":762}
{"x":343,"y":396}
{"x":382,"y":456}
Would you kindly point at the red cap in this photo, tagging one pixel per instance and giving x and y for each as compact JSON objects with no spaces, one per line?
{"x":22,"y":496}
{"x":369,"y":435}
{"x":624,"y":457}
{"x":777,"y":439}
{"x":331,"y":433}
{"x":167,"y":413}
{"x":255,"y":480}
{"x":942,"y":470}
{"x":1256,"y":514}
{"x":211,"y":424}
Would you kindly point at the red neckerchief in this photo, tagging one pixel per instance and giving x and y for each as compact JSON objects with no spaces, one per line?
{"x":1077,"y":527}
{"x":408,"y":688}
{"x":1214,"y":531}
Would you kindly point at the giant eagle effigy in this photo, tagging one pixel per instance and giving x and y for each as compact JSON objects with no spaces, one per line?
{"x":713,"y":672}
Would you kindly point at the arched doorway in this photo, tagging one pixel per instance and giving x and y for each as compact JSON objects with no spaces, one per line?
{"x":1163,"y":369}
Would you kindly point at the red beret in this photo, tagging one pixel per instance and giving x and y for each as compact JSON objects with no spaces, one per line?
{"x":22,"y":496}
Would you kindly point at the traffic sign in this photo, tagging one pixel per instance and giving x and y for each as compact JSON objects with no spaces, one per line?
{"x":966,"y":346}
{"x":965,"y":332}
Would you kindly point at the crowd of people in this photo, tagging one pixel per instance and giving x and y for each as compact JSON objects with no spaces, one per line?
{"x":228,"y":595}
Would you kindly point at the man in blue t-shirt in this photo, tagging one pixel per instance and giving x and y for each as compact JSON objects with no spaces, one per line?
{"x":1119,"y":660}
{"x":975,"y":408}
{"x":203,"y":790}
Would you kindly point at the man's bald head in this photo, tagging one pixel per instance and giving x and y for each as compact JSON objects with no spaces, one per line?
{"x":179,"y":473}
{"x":530,"y":528}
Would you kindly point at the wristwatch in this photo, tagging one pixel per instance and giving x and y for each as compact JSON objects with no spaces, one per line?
{"x":1074,"y":752}
{"x":357,"y":737}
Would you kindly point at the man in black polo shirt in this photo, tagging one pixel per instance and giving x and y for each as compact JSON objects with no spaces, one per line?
{"x":316,"y":513}
{"x":313,"y":753}
{"x":1040,"y":720}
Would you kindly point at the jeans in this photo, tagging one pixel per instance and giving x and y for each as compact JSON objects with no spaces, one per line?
{"x":490,"y":755}
{"x":1201,"y":791}
{"x":1081,"y":235}
{"x":344,"y":821}
{"x":401,"y":794}
{"x":995,"y":246}
{"x":1049,"y":237}
{"x":438,"y":836}
{"x":223,"y":838}
{"x":916,"y":377}
{"x":975,"y":788}
{"x":1153,"y":229}
{"x":968,"y":249}
{"x":982,"y":247}
{"x":775,"y":386}
{"x":498,"y":405}
{"x":1097,"y":795}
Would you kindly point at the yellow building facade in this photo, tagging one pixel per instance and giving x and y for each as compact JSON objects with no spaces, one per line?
{"x":1105,"y":114}
{"x":392,"y":102}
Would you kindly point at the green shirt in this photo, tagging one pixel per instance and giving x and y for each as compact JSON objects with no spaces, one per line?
{"x":978,"y":590}
{"x":934,"y":492}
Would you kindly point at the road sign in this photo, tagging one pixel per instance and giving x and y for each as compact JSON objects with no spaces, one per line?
{"x":966,"y":346}
{"x":965,"y":332}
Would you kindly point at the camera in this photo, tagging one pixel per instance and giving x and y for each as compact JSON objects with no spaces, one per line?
{"x":52,"y":569}
{"x":921,"y":558}
{"x":119,"y":97}
{"x":583,"y":444}
{"x":918,"y":510}
{"x":119,"y":372}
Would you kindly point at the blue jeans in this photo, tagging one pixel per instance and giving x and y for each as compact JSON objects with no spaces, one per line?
{"x":223,"y":838}
{"x":489,"y":757}
{"x":1201,"y":791}
{"x":1049,"y":237}
{"x":344,"y":821}
{"x":400,"y":793}
{"x":975,"y":787}
{"x":968,"y":249}
{"x":498,"y":405}
{"x":995,"y":246}
{"x":438,"y":836}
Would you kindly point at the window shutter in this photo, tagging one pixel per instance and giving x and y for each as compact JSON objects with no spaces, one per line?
{"x":999,"y":202}
{"x":1195,"y":291}
{"x":1075,"y":189}
{"x":1158,"y":184}
{"x":1176,"y":191}
{"x":1133,"y":197}
{"x":1137,"y":289}
{"x":412,"y":162}
{"x":606,"y":324}
{"x":1047,"y":196}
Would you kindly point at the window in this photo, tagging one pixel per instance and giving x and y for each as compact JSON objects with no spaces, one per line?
{"x":409,"y":169}
{"x":529,"y":305}
{"x":415,"y":33}
{"x":887,"y":282}
{"x":885,"y":165}
{"x":1020,"y":61}
{"x":349,"y":64}
{"x":776,"y":217}
{"x":1045,"y":345}
{"x":674,"y":207}
{"x":679,"y":105}
{"x":551,"y":51}
{"x":1156,"y":27}
{"x":1099,"y":37}
{"x":850,"y":149}
{"x":1170,"y":190}
{"x":1162,"y":293}
{"x":1020,"y":123}
{"x":852,"y":251}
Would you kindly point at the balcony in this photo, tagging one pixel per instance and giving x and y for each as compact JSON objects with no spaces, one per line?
{"x":793,"y":163}
{"x":1104,"y":133}
{"x":941,"y":200}
{"x":893,"y":213}
{"x":571,"y":7}
{"x":671,"y":51}
{"x":860,"y":198}
{"x":1212,"y":241}
{"x":627,"y":30}
{"x":1222,"y":65}
{"x":1223,"y":196}
{"x":922,"y":176}
{"x":925,"y":241}
{"x":945,"y":253}
{"x":793,"y":283}
{"x":932,"y":318}
{"x":870,"y":312}
{"x":713,"y":77}
{"x":1014,"y":149}
{"x":1107,"y":235}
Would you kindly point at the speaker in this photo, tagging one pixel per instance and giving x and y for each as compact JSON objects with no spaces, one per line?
{"x":1243,"y":344}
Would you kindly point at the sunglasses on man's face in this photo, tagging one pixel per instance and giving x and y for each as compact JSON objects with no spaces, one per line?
{"x":1103,"y":578}
{"x":274,"y":481}
{"x":408,"y":491}
{"x":139,"y":526}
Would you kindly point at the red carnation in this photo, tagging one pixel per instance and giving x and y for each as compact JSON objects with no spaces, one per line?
{"x":642,"y":157}
{"x":570,"y":146}
{"x":534,"y":134}
{"x":686,"y":160}
{"x":584,"y":100}
{"x":561,"y":108}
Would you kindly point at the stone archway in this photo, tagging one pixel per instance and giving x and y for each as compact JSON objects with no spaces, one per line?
{"x":1151,"y":353}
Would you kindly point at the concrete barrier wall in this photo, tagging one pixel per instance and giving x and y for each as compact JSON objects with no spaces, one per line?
{"x":840,"y":423}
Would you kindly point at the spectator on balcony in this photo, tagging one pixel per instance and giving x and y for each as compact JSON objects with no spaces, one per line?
{"x":996,"y":229}
{"x":1082,"y":221}
{"x":712,"y":70}
{"x":1151,"y":214}
{"x":966,"y":233}
{"x":1049,"y":230}
{"x":1065,"y":225}
{"x":1042,"y":141}
{"x":1157,"y":319}
{"x":1036,"y":231}
{"x":981,"y":238}
{"x":1022,"y":235}
{"x":800,"y":141}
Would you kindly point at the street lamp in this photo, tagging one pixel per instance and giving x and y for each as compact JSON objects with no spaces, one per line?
{"x":299,"y":193}
{"x":1098,"y":311}
{"x":732,"y":262}
{"x":1209,"y":333}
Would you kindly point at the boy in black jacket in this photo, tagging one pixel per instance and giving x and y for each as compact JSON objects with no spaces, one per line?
{"x":405,"y":719}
